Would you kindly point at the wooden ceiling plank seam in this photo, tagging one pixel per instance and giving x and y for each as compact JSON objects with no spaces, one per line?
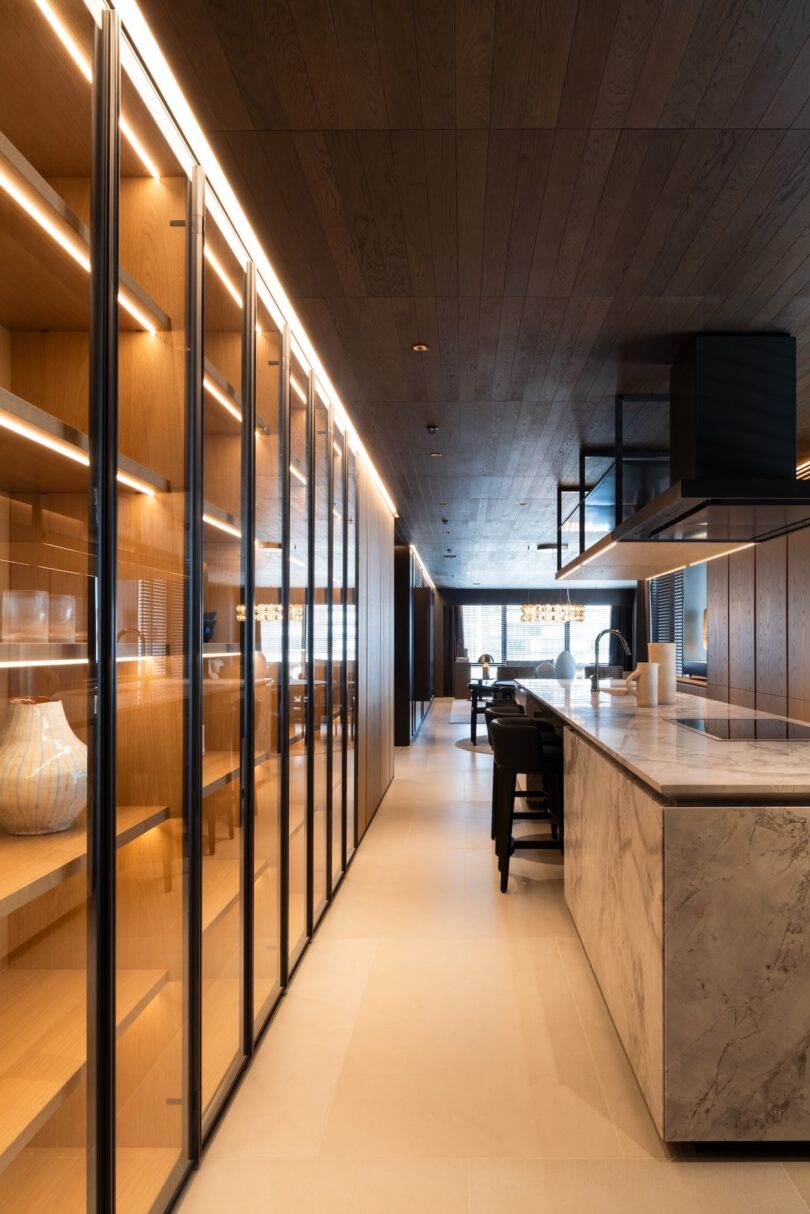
{"x":474,"y":43}
{"x":743,"y":178}
{"x":602,"y":344}
{"x":787,"y":38}
{"x":748,"y":39}
{"x":532,"y":175}
{"x":553,"y":315}
{"x":435,"y":54}
{"x":631,"y":153}
{"x":779,"y":260}
{"x":316,"y":165}
{"x":597,"y":311}
{"x":769,"y":214}
{"x":192,"y":37}
{"x":593,"y":33}
{"x":353,"y":23}
{"x":501,"y":182}
{"x":708,"y":40}
{"x":695,"y":150}
{"x":726,"y":153}
{"x":396,"y":48}
{"x":509,"y":328}
{"x":530,"y":321}
{"x":472,"y":151}
{"x":632,"y":33}
{"x":440,"y":166}
{"x":549,"y":62}
{"x":277,"y":37}
{"x":564,"y":167}
{"x":515,"y":23}
{"x":575,"y":313}
{"x":786,"y":107}
{"x":600,"y":148}
{"x":667,"y":47}
{"x":317,"y":38}
{"x":347,"y":162}
{"x":383,"y":191}
{"x":292,"y":188}
{"x":468,"y":325}
{"x":411,"y":175}
{"x":239,"y":38}
{"x":447,"y":316}
{"x":489,"y":318}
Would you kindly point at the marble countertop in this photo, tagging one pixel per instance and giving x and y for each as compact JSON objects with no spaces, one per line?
{"x":675,"y":762}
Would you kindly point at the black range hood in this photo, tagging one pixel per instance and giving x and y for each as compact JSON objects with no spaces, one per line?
{"x":732,"y":461}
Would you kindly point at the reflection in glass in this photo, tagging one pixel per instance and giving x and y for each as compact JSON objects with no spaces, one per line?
{"x":298,"y":653}
{"x":151,"y":700}
{"x":223,"y":675}
{"x":46,"y":549}
{"x":338,"y":639}
{"x":321,"y":716}
{"x":351,"y":651}
{"x":267,"y":639}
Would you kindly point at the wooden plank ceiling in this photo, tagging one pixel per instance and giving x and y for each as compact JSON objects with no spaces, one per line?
{"x":550,"y":195}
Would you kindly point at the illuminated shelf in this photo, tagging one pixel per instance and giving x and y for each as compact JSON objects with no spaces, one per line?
{"x":222,"y":885}
{"x":56,"y":1178}
{"x":32,"y":864}
{"x":222,"y":766}
{"x":57,"y":446}
{"x":35,"y":196}
{"x":61,"y":653}
{"x":43,"y":1041}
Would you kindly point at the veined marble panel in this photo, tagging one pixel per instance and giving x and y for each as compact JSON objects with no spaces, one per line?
{"x":737,"y":973}
{"x":614,"y":890}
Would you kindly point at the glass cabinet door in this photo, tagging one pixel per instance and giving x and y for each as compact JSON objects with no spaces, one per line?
{"x":338,"y":651}
{"x":152,"y":700}
{"x":351,"y":651}
{"x":321,"y":676}
{"x":223,"y":672}
{"x":46,"y":585}
{"x":268,"y":664}
{"x":298,"y":657}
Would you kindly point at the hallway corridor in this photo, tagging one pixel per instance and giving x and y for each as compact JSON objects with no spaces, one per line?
{"x":445,"y":1049}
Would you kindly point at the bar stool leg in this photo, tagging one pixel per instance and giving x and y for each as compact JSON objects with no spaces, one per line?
{"x":503,"y":822}
{"x":494,"y":799}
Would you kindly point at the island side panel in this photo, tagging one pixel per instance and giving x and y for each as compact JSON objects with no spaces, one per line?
{"x":737,"y":973}
{"x":614,"y":891}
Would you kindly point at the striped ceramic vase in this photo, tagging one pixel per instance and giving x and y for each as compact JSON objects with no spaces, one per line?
{"x":43,"y":770}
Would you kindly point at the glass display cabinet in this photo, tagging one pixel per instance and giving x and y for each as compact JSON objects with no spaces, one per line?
{"x":178,"y":660}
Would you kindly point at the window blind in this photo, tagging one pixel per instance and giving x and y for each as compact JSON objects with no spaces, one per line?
{"x":666,"y":609}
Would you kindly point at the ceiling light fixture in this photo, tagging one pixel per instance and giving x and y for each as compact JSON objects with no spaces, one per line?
{"x":432,"y":428}
{"x":552,"y":613}
{"x":420,"y":347}
{"x":435,"y":455}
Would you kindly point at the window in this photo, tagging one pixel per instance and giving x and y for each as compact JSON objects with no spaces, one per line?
{"x":497,"y":629}
{"x":666,"y":612}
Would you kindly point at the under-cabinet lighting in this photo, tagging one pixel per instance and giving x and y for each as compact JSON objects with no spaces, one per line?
{"x":83,"y":64}
{"x":594,"y":555}
{"x":666,"y":572}
{"x":76,"y":251}
{"x":220,"y":397}
{"x":136,"y":313}
{"x":297,"y":389}
{"x":298,"y":475}
{"x":730,"y":552}
{"x":221,"y":525}
{"x":68,"y":450}
{"x":269,"y":284}
{"x":22,"y":665}
{"x":218,"y":268}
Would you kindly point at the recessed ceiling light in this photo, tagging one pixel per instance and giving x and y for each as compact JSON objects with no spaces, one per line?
{"x":435,"y":455}
{"x":431,"y":428}
{"x":442,"y":503}
{"x":420,"y":347}
{"x":521,"y":503}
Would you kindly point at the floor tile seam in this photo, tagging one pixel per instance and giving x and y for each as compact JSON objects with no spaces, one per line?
{"x":333,"y":1094}
{"x":799,"y":1193}
{"x":589,"y":1047}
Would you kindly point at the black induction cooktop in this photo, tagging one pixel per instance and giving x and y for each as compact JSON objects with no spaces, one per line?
{"x":747,"y":729}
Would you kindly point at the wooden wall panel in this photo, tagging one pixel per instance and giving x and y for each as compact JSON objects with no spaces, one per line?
{"x":375,"y":600}
{"x":741,"y":620}
{"x":771,"y":624}
{"x":717,"y":652}
{"x":798,"y":617}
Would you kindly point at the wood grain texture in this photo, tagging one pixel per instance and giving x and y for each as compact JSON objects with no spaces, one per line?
{"x":771,"y":619}
{"x":552,"y":194}
{"x":742,"y":621}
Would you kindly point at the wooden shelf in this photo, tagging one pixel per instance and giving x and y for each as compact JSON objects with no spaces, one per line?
{"x":56,"y":1178}
{"x":32,"y":864}
{"x":222,"y":886}
{"x":222,"y":766}
{"x":44,"y":1035}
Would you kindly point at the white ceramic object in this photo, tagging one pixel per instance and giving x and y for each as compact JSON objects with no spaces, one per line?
{"x":43,"y":770}
{"x":565,"y":666}
{"x":644,"y":681}
{"x":663,"y":652}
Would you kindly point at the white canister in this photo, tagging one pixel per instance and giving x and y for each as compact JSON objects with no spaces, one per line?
{"x":43,"y":770}
{"x":663,"y":652}
{"x":644,"y":681}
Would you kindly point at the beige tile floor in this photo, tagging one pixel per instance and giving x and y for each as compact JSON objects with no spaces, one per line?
{"x":444,"y":1048}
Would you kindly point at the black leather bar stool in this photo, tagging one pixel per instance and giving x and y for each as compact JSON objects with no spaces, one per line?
{"x":499,"y":693}
{"x":524,"y":746}
{"x":537,"y":798}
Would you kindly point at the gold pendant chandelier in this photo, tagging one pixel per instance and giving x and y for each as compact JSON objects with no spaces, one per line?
{"x":552,"y":613}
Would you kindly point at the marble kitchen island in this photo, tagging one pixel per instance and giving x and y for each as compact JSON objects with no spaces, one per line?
{"x":687,"y":874}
